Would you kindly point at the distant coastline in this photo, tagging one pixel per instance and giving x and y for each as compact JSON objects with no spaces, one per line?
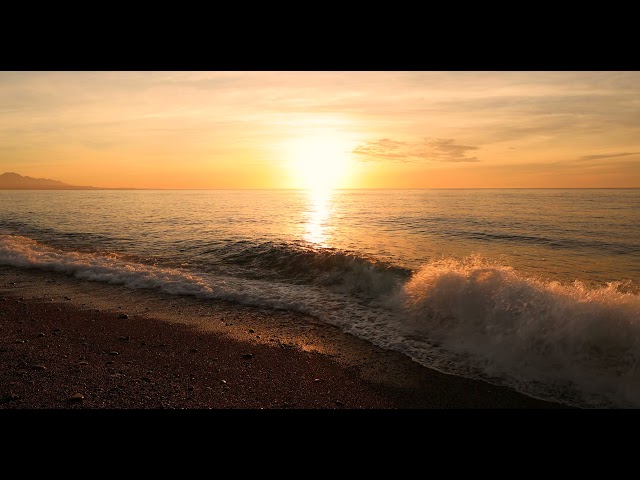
{"x":73,"y":187}
{"x":15,"y":181}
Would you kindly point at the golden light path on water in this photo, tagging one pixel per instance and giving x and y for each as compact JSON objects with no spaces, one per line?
{"x":317,"y":214}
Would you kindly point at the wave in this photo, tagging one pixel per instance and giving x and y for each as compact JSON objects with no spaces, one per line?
{"x":342,"y":271}
{"x":557,"y":242}
{"x":573,"y":343}
{"x":20,"y":251}
{"x":565,"y":342}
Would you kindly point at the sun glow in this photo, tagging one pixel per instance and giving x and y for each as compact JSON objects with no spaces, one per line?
{"x":320,"y":162}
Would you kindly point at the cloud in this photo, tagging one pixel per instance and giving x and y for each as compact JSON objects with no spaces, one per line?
{"x":437,"y":150}
{"x":607,"y":155}
{"x":384,"y":149}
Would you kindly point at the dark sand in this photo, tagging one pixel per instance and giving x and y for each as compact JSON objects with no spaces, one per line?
{"x":64,"y":345}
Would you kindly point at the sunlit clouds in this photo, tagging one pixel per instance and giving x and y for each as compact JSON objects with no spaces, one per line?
{"x":427,"y":150}
{"x":323,"y":129}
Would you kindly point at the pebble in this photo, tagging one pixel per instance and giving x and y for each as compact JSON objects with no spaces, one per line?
{"x":76,"y":397}
{"x":40,"y":334}
{"x":123,"y":316}
{"x":19,"y":341}
{"x":38,"y":367}
{"x":83,"y":362}
{"x":113,"y":353}
{"x":316,"y":380}
{"x":67,"y":298}
{"x":247,"y":356}
{"x":339,"y":403}
{"x":193,"y":350}
{"x":251,"y":330}
{"x":126,"y":339}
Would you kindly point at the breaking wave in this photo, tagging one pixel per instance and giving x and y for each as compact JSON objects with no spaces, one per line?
{"x":571,"y":343}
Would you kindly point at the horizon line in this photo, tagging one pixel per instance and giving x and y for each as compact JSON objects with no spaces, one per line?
{"x":329,"y":189}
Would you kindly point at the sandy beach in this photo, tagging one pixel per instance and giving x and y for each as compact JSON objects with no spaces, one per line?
{"x":71,"y":344}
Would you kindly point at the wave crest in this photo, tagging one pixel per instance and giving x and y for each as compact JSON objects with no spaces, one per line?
{"x":529,"y":329}
{"x":339,"y":270}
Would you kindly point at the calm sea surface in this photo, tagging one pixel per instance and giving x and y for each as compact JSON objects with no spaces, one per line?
{"x":535,"y":289}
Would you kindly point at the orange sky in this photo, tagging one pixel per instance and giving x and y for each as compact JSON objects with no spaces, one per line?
{"x":322,"y":129}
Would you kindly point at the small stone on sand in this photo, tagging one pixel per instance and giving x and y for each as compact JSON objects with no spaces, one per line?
{"x":76,"y":397}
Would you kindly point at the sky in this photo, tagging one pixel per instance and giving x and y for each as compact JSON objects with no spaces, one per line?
{"x":324,"y":129}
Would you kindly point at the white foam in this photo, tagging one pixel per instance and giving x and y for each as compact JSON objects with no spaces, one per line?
{"x":21,"y":251}
{"x":544,"y":336}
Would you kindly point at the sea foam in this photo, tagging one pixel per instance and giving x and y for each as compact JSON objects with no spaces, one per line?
{"x":543,"y":335}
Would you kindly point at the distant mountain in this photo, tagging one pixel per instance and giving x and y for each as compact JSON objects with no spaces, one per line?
{"x":12,"y":180}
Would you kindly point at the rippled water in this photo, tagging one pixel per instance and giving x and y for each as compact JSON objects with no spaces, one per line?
{"x":536,"y":289}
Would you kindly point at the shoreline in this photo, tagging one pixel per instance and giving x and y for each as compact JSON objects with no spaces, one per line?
{"x":61,"y":336}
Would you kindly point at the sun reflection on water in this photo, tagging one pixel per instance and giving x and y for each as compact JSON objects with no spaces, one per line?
{"x":317,"y":214}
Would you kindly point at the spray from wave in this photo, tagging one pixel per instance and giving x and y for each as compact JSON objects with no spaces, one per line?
{"x":548,"y":338}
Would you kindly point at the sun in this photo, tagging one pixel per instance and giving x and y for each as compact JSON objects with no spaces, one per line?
{"x":320,"y":161}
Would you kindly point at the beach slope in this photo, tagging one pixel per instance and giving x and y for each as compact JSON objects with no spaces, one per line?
{"x":71,"y":344}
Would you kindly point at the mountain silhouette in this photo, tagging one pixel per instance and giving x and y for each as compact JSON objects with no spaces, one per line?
{"x":11,"y":180}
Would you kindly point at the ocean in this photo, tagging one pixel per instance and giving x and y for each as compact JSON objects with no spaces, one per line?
{"x":535,"y":289}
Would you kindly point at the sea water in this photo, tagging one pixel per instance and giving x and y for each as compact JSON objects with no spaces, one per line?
{"x":535,"y":289}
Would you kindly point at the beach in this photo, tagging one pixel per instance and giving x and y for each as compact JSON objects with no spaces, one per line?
{"x":71,"y":344}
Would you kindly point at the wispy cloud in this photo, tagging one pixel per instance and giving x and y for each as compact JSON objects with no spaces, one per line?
{"x":384,"y":149}
{"x":437,"y":150}
{"x":607,"y":155}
